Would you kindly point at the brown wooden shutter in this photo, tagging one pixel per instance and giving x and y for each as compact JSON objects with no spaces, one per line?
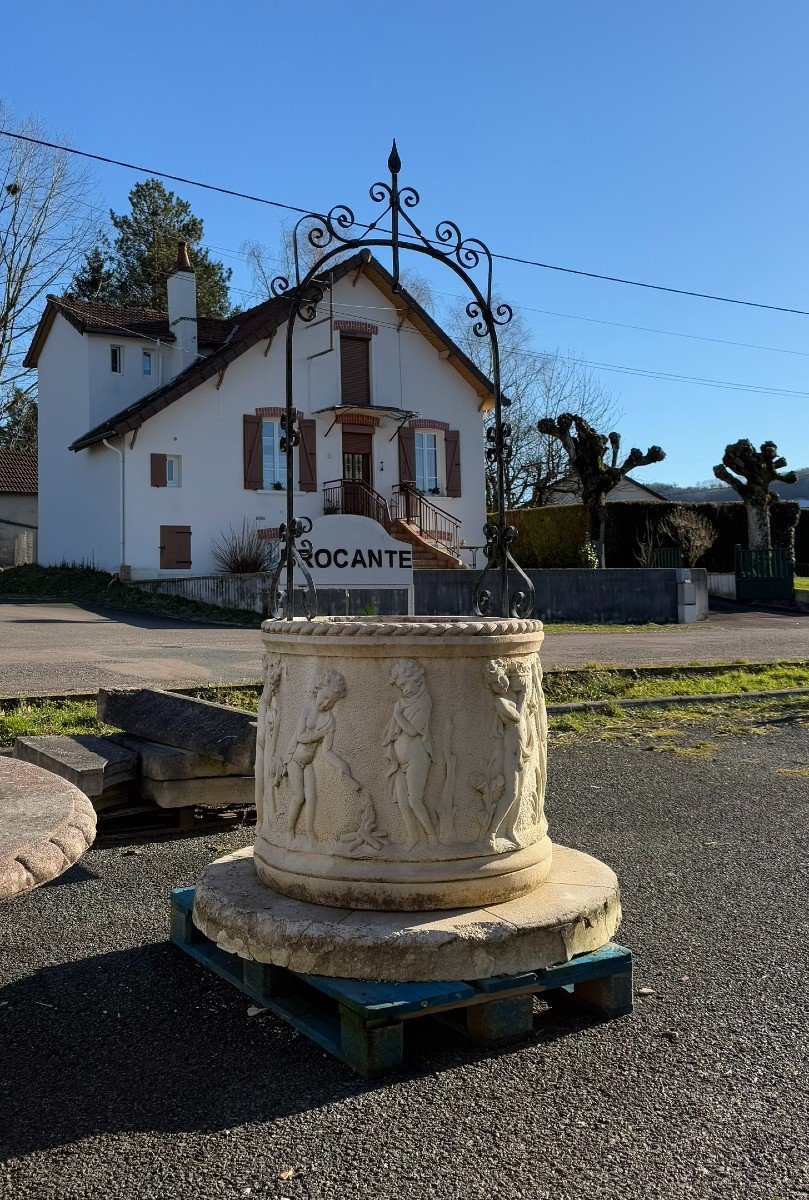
{"x":253,"y":465}
{"x":175,"y":547}
{"x":355,"y":370}
{"x":407,"y":456}
{"x":452,"y":448}
{"x":307,"y":456}
{"x":159,"y":470}
{"x":182,"y":547}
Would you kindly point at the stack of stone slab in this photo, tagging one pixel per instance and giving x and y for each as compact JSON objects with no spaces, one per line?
{"x":106,"y":773}
{"x":174,"y":751}
{"x":189,"y":752}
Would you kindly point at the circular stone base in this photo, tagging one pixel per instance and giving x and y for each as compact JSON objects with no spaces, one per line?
{"x":577,"y":910}
{"x":46,"y":824}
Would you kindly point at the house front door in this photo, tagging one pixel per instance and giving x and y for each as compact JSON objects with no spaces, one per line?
{"x":357,"y":471}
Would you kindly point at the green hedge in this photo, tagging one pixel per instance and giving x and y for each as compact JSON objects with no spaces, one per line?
{"x":549,"y":537}
{"x":553,"y":537}
{"x":802,"y":537}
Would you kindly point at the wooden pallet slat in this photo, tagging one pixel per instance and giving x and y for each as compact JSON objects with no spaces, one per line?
{"x":362,"y":1022}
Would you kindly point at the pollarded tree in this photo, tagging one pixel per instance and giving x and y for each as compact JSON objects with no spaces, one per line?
{"x":586,"y":450}
{"x":759,"y":469}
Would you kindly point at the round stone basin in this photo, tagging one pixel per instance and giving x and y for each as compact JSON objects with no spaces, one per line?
{"x":401,"y":762}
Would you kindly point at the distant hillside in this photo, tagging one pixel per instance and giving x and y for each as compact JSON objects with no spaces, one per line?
{"x":722,"y":495}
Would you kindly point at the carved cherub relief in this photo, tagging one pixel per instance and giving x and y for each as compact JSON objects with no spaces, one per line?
{"x":408,"y":749}
{"x":512,"y":687}
{"x":267,"y":737}
{"x":314,"y":733}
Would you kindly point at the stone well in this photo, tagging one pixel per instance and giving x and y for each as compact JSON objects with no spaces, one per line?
{"x":402,"y":763}
{"x":400,"y":787}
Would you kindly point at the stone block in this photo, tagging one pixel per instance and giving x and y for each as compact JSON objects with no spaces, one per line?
{"x":209,"y":793}
{"x":93,"y":764}
{"x":170,"y":762}
{"x":227,"y":734}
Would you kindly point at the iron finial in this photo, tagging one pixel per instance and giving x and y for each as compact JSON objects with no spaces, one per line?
{"x":394,"y":162}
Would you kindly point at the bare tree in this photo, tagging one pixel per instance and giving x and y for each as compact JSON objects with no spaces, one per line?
{"x":759,"y":469}
{"x":46,"y":226}
{"x":692,"y":532}
{"x":538,"y":385}
{"x":586,"y":449}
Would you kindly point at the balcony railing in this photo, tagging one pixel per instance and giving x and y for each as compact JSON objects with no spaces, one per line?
{"x":430,"y":521}
{"x":354,"y":497}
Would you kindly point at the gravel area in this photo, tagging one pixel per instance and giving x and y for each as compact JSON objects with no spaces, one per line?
{"x":130,"y":1072}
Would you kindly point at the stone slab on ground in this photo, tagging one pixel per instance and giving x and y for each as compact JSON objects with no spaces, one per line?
{"x":93,"y":764}
{"x":207,"y":793}
{"x":577,"y":910}
{"x":212,"y":729}
{"x":46,"y":824}
{"x":171,"y":762}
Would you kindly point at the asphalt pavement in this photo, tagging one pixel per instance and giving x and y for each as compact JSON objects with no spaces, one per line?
{"x":130,"y":1072}
{"x":51,"y":648}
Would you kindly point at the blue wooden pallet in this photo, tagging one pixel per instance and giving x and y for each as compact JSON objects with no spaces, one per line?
{"x":362,"y":1022}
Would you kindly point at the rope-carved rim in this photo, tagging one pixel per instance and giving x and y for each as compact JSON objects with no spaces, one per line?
{"x":402,"y":627}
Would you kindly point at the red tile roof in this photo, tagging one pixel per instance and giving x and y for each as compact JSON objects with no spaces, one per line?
{"x":93,"y":316}
{"x":18,"y":472}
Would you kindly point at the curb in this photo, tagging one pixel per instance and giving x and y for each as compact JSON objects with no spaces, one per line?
{"x":555,"y":710}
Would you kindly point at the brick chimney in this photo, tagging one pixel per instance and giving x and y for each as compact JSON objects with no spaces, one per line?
{"x":182,"y":293}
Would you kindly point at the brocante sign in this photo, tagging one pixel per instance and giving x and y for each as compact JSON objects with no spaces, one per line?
{"x":346,"y":551}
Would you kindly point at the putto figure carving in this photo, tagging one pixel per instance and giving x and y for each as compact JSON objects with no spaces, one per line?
{"x":408,"y":749}
{"x":315,"y":731}
{"x":512,"y":688}
{"x":267,"y":738}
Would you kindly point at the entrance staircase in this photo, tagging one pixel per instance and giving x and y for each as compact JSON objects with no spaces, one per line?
{"x":409,"y":517}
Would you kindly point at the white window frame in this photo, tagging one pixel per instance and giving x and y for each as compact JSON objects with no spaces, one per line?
{"x":144,"y":355}
{"x":278,"y":467}
{"x":114,"y":348}
{"x":424,"y":482}
{"x":174,"y":470}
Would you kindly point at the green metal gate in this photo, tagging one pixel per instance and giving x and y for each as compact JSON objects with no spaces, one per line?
{"x":764,"y":575}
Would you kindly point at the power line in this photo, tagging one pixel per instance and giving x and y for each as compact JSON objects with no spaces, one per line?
{"x":512,"y":258}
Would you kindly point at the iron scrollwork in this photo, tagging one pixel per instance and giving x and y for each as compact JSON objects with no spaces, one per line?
{"x":334,"y":233}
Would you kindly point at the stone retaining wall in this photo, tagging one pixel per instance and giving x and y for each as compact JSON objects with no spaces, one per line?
{"x":631,"y":595}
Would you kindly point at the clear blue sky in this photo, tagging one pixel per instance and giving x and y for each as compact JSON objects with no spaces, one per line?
{"x":661,"y":142}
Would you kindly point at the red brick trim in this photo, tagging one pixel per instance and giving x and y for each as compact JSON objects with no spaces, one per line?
{"x":276,"y":413}
{"x":363,"y":328}
{"x":425,"y":423}
{"x":355,"y":418}
{"x":268,"y":533}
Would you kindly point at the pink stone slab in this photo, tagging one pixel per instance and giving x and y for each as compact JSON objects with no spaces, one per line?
{"x":46,"y":824}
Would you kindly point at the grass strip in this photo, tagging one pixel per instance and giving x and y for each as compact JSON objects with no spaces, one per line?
{"x":601,"y":685}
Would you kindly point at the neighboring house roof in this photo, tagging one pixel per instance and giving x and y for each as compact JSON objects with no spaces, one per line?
{"x":259,"y":323}
{"x":18,"y":473}
{"x":569,"y":491}
{"x":643,"y":487}
{"x":92,"y":316}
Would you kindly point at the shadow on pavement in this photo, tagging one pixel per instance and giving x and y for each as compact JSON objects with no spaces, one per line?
{"x":145,"y":1040}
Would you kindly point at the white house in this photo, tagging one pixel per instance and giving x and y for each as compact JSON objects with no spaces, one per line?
{"x":157,"y":432}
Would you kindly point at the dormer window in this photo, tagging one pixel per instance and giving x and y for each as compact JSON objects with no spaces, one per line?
{"x":146,"y":362}
{"x":117,"y":360}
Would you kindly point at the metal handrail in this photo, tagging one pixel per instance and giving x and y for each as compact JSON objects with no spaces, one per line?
{"x":434,"y":523}
{"x":355,"y":497}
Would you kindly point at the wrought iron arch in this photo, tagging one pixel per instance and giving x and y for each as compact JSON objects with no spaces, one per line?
{"x":336,"y":233}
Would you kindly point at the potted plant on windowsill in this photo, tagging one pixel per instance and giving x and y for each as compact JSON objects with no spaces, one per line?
{"x":278,"y":486}
{"x":436,"y":491}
